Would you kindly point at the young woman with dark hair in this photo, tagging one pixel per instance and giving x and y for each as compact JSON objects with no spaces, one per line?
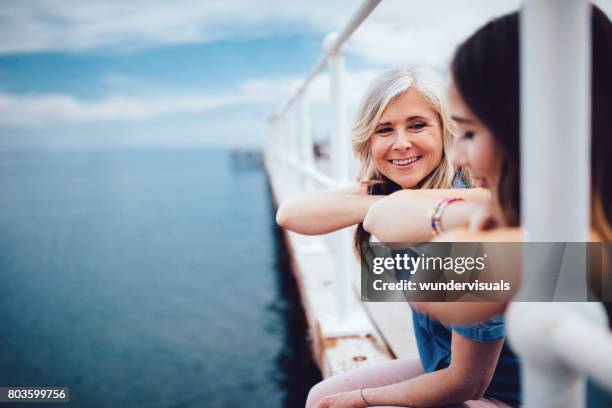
{"x":484,"y":98}
{"x":485,"y":89}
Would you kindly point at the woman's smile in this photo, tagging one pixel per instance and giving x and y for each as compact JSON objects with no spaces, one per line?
{"x":404,"y":163}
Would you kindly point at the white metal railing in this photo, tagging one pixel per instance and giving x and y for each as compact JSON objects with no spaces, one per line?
{"x":555,"y":48}
{"x":299,"y":156}
{"x":558,"y":343}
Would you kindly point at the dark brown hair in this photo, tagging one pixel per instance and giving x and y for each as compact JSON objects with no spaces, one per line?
{"x":601,"y":117}
{"x":385,"y":186}
{"x":485,"y":69}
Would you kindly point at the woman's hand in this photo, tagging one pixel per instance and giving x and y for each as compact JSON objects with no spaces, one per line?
{"x":349,"y":399}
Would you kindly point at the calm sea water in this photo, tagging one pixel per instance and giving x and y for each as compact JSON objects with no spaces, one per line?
{"x":146,"y":278}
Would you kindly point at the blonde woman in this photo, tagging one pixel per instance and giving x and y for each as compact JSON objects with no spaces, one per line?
{"x":402,"y":135}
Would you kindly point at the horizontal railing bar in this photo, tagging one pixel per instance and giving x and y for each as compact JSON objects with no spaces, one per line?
{"x":362,"y":13}
{"x":358,"y":18}
{"x":596,"y":360}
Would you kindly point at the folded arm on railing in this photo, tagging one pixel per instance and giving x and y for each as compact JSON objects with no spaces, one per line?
{"x":404,"y":215}
{"x":324,"y":211}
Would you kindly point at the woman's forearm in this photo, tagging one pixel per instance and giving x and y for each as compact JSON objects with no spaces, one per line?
{"x":439,"y":388}
{"x":405,"y":216}
{"x":320,"y":212}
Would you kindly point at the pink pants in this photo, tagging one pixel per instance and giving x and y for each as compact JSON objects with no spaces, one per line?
{"x":390,"y":372}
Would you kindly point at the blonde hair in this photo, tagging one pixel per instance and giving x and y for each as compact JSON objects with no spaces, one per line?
{"x":385,"y":89}
{"x":382,"y":91}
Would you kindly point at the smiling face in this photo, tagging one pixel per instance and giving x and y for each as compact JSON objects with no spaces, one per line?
{"x":474,"y":146}
{"x":407,"y":142}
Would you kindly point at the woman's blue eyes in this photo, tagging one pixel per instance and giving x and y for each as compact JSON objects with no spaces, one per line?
{"x":468,"y":135}
{"x":414,"y":126}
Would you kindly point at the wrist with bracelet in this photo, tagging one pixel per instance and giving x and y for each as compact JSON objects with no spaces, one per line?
{"x":435,"y":217}
{"x":363,"y":398}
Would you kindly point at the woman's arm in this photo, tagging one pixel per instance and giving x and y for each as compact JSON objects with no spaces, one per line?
{"x":320,"y":212}
{"x":466,"y":378}
{"x":473,"y":312}
{"x":404,"y":216}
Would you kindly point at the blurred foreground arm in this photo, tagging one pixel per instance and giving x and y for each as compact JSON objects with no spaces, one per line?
{"x":474,"y":312}
{"x":404,"y":216}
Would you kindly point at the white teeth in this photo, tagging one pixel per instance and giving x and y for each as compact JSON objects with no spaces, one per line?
{"x":405,"y":161}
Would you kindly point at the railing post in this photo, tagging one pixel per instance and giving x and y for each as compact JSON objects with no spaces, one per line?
{"x":283,"y":147}
{"x":295,"y":148}
{"x":288,"y":132}
{"x":306,"y":145}
{"x":339,"y":150}
{"x":282,"y":139}
{"x":555,"y":86}
{"x":278,"y":142}
{"x":339,"y":142}
{"x":269,"y":142}
{"x":272,"y":145}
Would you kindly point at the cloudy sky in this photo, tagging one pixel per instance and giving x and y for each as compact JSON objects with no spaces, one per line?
{"x":158,"y":73}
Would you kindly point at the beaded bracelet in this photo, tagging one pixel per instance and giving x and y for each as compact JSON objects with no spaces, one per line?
{"x":436,"y":214}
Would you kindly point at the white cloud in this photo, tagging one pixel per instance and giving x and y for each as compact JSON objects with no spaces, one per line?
{"x":398,"y":31}
{"x":395,"y":27}
{"x":404,"y":32}
{"x":40,"y":25}
{"x":49,"y":109}
{"x":36,"y":110}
